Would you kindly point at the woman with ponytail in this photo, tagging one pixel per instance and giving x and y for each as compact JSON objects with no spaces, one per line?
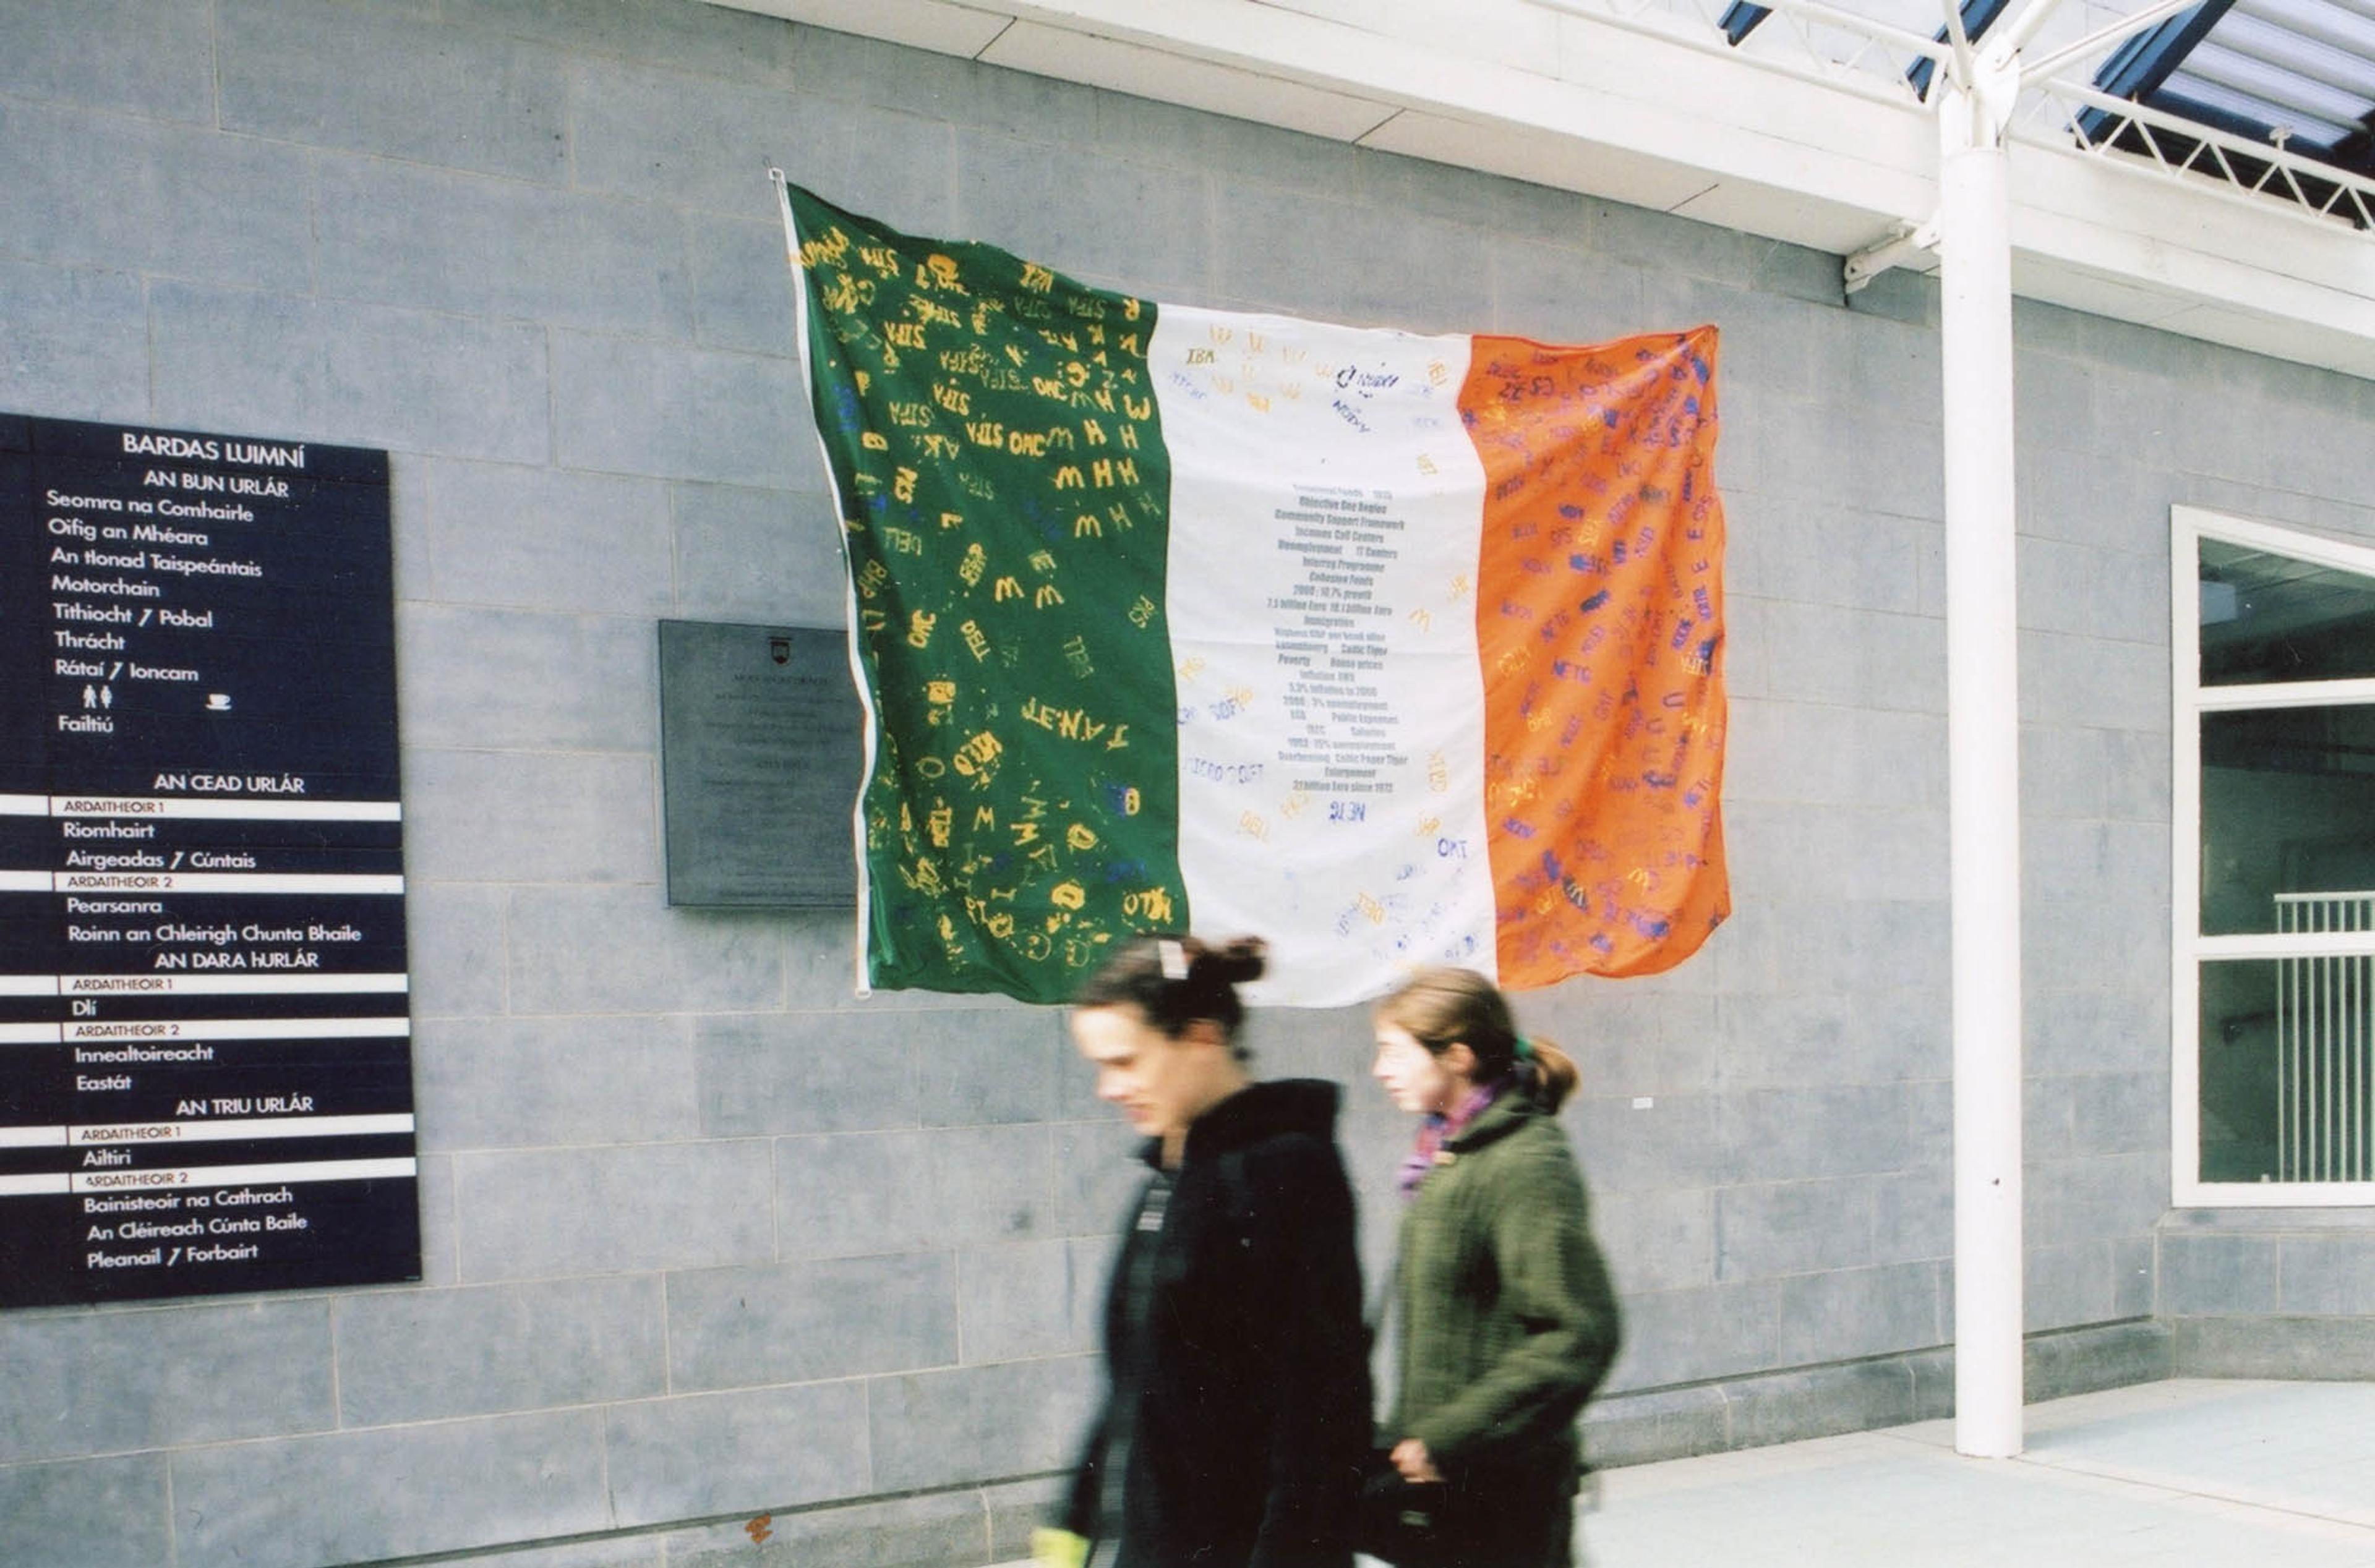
{"x":1504,"y":1319}
{"x":1236,"y":1423}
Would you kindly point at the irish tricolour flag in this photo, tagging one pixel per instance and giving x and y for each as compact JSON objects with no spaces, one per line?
{"x":1390,"y":649}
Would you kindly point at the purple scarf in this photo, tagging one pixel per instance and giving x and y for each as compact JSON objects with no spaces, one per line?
{"x":1435,"y":1128}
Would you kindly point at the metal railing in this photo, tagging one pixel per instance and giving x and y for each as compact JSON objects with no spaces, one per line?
{"x":2325,"y":1047}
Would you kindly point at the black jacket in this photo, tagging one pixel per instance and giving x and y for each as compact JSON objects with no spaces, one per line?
{"x":1238,"y":1404}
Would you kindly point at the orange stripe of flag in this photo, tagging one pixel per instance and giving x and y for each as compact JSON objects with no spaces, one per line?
{"x":1599,"y":619}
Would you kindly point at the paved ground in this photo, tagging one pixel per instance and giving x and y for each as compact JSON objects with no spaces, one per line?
{"x":2198,"y":1473}
{"x":2185,"y":1474}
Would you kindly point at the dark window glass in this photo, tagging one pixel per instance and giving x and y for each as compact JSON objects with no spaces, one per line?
{"x":2288,"y":816}
{"x":2269,"y":618}
{"x":2287,"y":1073}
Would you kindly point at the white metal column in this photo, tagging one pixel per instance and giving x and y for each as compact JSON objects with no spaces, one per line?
{"x":1984,"y":751}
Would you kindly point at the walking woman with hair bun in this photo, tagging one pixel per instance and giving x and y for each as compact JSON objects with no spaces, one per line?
{"x":1236,"y":1420}
{"x":1503,"y":1317}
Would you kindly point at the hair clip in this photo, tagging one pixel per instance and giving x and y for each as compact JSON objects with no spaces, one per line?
{"x":1175,"y":959}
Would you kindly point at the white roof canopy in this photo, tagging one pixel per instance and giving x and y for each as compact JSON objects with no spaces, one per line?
{"x":1807,"y":132}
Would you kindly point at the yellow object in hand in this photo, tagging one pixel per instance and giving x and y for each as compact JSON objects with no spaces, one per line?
{"x":1058,"y":1549}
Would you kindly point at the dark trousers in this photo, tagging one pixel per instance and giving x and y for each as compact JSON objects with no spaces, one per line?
{"x":1529,"y":1525}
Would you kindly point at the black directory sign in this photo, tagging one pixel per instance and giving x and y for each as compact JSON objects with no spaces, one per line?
{"x":206,"y":1076}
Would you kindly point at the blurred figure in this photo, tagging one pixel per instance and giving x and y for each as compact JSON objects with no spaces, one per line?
{"x":1237,"y":1418}
{"x":1504,"y":1319}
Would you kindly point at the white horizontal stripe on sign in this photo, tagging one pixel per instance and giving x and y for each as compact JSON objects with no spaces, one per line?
{"x":32,"y":1137}
{"x":221,"y":882}
{"x":279,"y":810}
{"x":24,"y":881}
{"x":32,"y":1033}
{"x":240,"y":1029}
{"x":1325,"y":511}
{"x":221,"y":984}
{"x":24,"y":805}
{"x":244,"y":1175}
{"x":28,"y":985}
{"x":42,"y":1186}
{"x":237,"y":1128}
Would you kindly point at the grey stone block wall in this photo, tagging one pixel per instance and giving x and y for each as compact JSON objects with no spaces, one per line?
{"x":706,"y":1238}
{"x":1794,"y":1404}
{"x":2270,"y":1292}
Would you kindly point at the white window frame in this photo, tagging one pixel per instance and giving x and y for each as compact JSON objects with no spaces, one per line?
{"x":2188,"y":527}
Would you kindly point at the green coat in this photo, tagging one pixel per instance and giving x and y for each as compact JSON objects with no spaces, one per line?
{"x":1505,"y":1319}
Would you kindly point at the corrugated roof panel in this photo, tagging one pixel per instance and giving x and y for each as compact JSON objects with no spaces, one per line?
{"x":2185,"y":95}
{"x":2301,"y":72}
{"x":2306,"y":101}
{"x":2351,"y":28}
{"x":2288,"y":49}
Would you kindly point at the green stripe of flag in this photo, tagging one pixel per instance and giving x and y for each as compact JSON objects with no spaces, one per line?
{"x":995,"y":444}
